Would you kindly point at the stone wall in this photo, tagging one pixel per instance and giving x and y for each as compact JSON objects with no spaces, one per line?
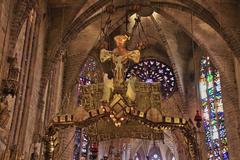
{"x":29,"y":52}
{"x":29,"y":139}
{"x":4,"y":22}
{"x":5,"y":8}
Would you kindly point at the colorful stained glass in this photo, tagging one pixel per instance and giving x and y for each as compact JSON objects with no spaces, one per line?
{"x":81,"y":146}
{"x":212,"y":107}
{"x":84,"y":144}
{"x":89,"y":73}
{"x":154,"y":153}
{"x":152,"y":70}
{"x":155,"y":157}
{"x":77,"y":145}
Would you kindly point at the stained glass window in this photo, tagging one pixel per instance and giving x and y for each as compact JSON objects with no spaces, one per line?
{"x":152,"y":70}
{"x":154,"y":153}
{"x":81,"y":145}
{"x":212,"y":107}
{"x":137,"y":156}
{"x":155,"y":157}
{"x":89,"y":72}
{"x":88,"y":75}
{"x":84,"y":144}
{"x":77,"y":145}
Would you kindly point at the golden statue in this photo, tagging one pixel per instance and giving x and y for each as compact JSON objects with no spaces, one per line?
{"x":119,"y":56}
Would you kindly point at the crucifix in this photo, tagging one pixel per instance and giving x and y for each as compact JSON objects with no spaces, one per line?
{"x":119,"y":56}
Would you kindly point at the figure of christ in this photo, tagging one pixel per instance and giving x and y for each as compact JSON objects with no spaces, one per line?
{"x":119,"y":56}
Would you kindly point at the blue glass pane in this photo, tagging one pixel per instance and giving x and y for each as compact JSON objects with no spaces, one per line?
{"x":151,"y":70}
{"x":213,"y":114}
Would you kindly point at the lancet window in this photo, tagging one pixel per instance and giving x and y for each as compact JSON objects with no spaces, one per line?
{"x":213,"y":114}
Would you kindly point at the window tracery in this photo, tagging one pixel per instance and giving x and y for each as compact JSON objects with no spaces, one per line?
{"x":152,"y":70}
{"x":213,"y":114}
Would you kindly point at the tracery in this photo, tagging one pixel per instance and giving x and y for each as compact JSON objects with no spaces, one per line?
{"x":152,"y":70}
{"x":213,"y":114}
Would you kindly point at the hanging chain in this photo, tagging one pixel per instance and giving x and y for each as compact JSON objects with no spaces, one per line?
{"x":195,"y":65}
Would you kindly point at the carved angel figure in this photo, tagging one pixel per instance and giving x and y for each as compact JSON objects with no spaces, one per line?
{"x":108,"y":88}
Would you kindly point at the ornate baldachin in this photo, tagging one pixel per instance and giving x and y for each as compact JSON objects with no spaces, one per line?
{"x":164,"y":123}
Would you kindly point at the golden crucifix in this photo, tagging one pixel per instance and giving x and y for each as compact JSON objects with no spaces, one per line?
{"x":119,"y":56}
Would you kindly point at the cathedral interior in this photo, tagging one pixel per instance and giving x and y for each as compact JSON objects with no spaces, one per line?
{"x":119,"y":80}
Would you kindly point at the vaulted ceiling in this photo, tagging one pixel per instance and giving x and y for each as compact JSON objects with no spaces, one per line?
{"x":65,"y":3}
{"x":174,"y":26}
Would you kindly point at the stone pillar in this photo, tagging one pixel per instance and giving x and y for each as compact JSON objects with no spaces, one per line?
{"x":202,"y":143}
{"x":128,"y":152}
{"x":237,"y":73}
{"x":6,"y":8}
{"x":124,"y":150}
{"x":231,"y":112}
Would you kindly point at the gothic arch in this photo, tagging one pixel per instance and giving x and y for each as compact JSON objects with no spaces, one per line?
{"x":169,"y":155}
{"x":224,"y":65}
{"x":135,"y":148}
{"x":189,"y":6}
{"x":154,"y":150}
{"x":196,"y":10}
{"x":138,"y":147}
{"x":220,"y":60}
{"x":200,"y":36}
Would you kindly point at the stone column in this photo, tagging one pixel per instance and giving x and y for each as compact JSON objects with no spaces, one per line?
{"x":237,"y":73}
{"x":202,"y":143}
{"x":124,"y":150}
{"x":231,"y":107}
{"x":127,"y":151}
